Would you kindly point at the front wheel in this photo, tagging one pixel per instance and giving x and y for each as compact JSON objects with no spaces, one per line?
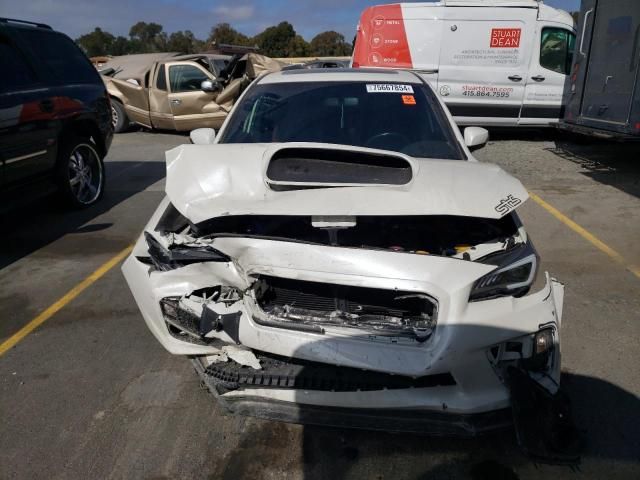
{"x":119,"y":118}
{"x":80,"y":172}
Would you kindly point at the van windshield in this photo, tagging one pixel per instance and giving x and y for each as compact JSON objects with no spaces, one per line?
{"x":408,"y":120}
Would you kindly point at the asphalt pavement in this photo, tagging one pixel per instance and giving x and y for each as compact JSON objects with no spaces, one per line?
{"x":91,"y":394}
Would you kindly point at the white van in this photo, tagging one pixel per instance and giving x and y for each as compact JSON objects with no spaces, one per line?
{"x":493,"y":62}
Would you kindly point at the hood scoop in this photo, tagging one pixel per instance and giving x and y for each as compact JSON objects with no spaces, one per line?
{"x":300,"y":168}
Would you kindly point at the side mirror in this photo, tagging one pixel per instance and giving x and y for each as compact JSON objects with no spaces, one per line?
{"x":202,"y":136}
{"x":208,"y":86}
{"x":475,"y":137}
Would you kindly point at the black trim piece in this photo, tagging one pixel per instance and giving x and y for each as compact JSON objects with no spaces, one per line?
{"x":231,"y":325}
{"x":417,"y":421}
{"x":542,"y":111}
{"x":171,"y":220}
{"x":622,"y":133}
{"x":484,"y":110}
{"x":281,"y":372}
{"x":506,"y":111}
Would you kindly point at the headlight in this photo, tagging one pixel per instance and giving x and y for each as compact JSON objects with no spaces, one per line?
{"x":513,"y":278}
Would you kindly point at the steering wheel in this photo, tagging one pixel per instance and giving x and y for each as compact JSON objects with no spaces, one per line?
{"x":386,"y":138}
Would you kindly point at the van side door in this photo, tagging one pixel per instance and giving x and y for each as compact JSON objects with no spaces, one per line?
{"x":484,"y":61}
{"x":190,"y":105}
{"x":550,"y":65}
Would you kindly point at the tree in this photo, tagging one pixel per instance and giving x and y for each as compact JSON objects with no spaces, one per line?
{"x":120,"y":46}
{"x":298,"y":47}
{"x":223,"y":33}
{"x":330,"y":44}
{"x":184,"y":42}
{"x":148,"y":37}
{"x":96,"y":43}
{"x":276,"y":41}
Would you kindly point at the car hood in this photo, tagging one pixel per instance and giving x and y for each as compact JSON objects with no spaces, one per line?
{"x":207,"y":181}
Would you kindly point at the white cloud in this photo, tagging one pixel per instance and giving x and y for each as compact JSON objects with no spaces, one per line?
{"x":226,"y":13}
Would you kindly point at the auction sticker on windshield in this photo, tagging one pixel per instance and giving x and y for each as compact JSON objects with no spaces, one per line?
{"x":388,"y":88}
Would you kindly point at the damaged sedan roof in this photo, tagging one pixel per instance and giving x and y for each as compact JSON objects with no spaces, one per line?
{"x":207,"y":181}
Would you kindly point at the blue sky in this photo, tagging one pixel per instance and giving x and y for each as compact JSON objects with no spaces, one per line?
{"x":309,"y":17}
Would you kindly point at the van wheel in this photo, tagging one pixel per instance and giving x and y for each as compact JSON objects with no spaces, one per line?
{"x":119,"y":117}
{"x":80,"y":172}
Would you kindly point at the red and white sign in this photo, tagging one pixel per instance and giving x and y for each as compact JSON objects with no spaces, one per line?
{"x":505,"y":37}
{"x":381,"y":39}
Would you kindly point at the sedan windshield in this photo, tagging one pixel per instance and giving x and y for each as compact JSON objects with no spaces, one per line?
{"x":398,"y":117}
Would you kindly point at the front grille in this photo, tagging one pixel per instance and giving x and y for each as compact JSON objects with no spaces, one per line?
{"x":312,"y":303}
{"x":321,"y":297}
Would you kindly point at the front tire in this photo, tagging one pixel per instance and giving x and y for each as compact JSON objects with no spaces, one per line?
{"x":80,"y":172}
{"x":119,"y":118}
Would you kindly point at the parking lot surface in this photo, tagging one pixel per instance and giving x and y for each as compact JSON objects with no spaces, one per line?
{"x":91,"y":394}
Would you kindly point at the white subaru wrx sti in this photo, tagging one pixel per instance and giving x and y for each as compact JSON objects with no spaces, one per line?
{"x":336,"y":255}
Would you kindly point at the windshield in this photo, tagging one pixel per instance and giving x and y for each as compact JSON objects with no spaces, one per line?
{"x":365,"y":114}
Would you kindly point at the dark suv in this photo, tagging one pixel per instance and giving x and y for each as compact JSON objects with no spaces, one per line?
{"x":55,"y":115}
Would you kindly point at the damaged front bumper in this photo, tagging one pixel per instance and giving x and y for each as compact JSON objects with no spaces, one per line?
{"x":391,"y":418}
{"x":455,"y":376}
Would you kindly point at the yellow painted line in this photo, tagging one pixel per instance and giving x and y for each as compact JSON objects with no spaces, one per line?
{"x":14,"y":339}
{"x":588,"y":236}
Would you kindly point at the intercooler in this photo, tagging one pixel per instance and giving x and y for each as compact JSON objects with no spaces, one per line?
{"x":314,"y":303}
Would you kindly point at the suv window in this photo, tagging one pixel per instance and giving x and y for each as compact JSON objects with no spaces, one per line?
{"x":63,"y":58}
{"x":16,"y":72}
{"x":556,"y":49}
{"x":161,"y":80}
{"x":186,"y":78}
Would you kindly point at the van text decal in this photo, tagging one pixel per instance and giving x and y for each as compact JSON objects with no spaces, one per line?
{"x":486,"y":91}
{"x":505,"y":38}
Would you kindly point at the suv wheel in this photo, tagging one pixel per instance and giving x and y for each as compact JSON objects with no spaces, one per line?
{"x":119,"y":117}
{"x":80,"y":172}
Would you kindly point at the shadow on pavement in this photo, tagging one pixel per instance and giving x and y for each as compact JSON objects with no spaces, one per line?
{"x":40,"y":222}
{"x":609,"y":415}
{"x":610,"y":163}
